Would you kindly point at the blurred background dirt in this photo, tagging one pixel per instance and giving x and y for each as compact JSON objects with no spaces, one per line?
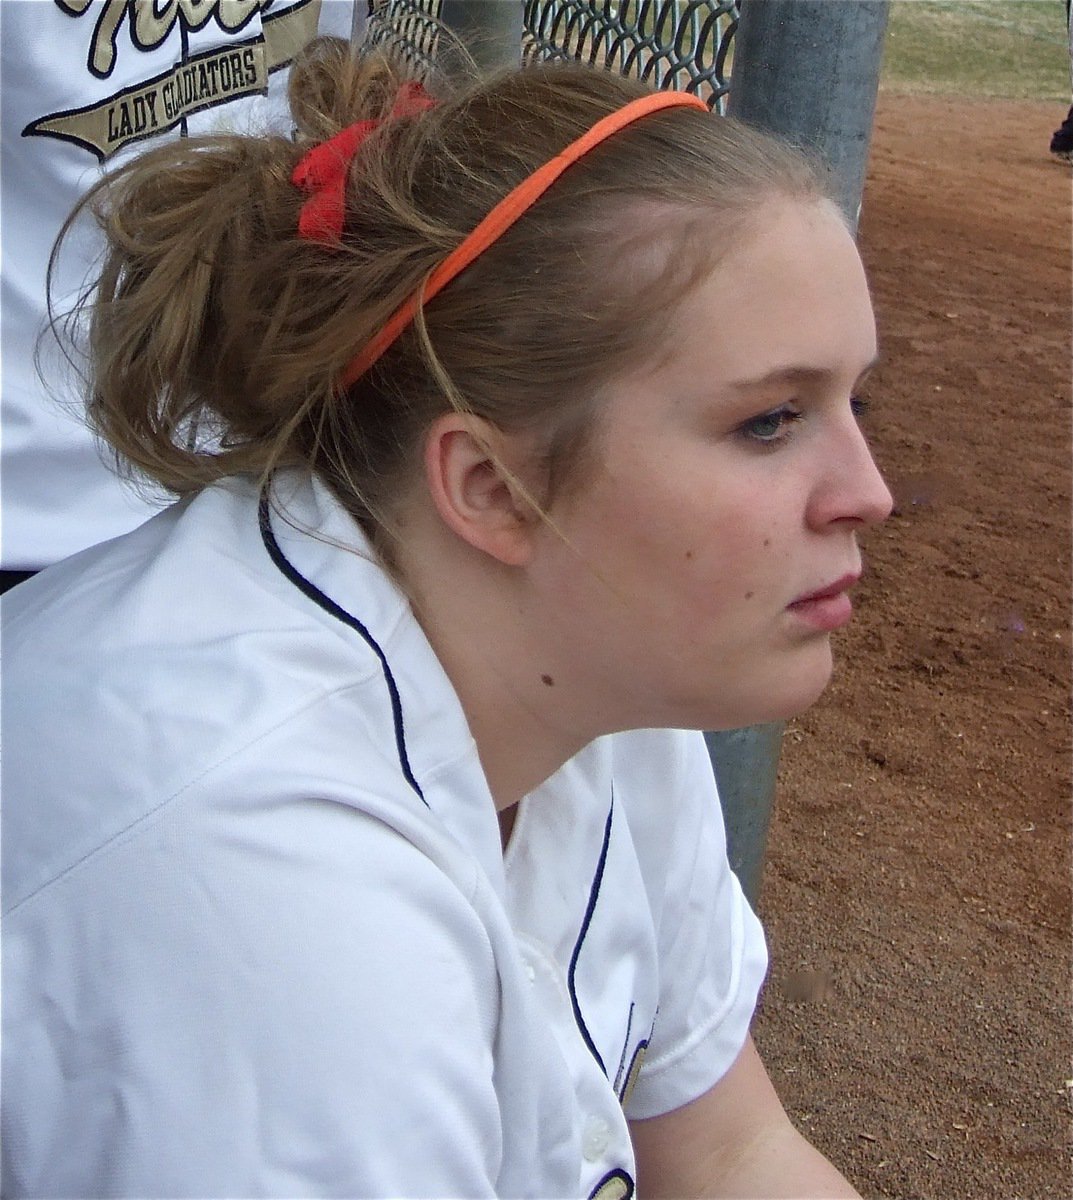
{"x":918,"y":885}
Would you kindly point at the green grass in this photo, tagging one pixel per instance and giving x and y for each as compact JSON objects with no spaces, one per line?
{"x":1010,"y":48}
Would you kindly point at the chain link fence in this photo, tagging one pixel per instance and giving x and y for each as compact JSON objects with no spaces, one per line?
{"x":681,"y":44}
{"x":407,"y":29}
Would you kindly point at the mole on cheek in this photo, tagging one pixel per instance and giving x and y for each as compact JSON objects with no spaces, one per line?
{"x":547,"y":680}
{"x":767,"y":541}
{"x":689,"y":554}
{"x":748,"y":595}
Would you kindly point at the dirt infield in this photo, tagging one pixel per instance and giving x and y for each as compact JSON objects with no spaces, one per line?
{"x":917,"y":894}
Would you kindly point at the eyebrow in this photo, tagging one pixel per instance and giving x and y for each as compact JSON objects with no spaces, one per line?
{"x":794,"y":375}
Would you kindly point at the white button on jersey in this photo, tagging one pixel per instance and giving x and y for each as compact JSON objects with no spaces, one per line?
{"x":530,"y":972}
{"x":596,"y":1138}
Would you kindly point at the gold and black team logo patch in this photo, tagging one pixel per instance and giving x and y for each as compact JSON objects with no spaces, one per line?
{"x":198,"y":82}
{"x":159,"y":104}
{"x":615,"y":1185}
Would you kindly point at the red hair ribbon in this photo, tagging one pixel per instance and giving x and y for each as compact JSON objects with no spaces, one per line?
{"x":322,"y":172}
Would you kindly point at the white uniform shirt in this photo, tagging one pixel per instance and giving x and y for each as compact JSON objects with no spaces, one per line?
{"x":261,"y":938}
{"x":85,"y":85}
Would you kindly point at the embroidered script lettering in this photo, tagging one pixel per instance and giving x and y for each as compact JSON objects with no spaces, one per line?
{"x":240,"y":66}
{"x":151,"y":22}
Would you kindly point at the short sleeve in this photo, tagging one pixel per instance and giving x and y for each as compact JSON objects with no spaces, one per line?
{"x":711,"y":948}
{"x":289,"y":1001}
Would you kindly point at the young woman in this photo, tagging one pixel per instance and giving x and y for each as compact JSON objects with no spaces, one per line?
{"x":352,"y":842}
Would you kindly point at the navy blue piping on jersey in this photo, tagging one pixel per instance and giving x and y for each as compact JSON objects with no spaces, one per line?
{"x":318,"y":597}
{"x":625,"y":1048}
{"x":594,"y":892}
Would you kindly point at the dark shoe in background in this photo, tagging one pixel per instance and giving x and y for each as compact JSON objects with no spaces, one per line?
{"x":1062,"y":139}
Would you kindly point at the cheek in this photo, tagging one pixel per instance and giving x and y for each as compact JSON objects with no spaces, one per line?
{"x":736,"y":575}
{"x":741,"y":548}
{"x":716,"y":526}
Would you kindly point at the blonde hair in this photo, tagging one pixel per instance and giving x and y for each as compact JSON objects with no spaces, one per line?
{"x":216,"y":335}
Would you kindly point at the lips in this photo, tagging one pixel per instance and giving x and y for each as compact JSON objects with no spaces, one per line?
{"x":828,"y":608}
{"x":834,"y":589}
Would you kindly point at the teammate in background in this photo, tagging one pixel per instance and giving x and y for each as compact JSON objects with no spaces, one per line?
{"x":355,"y":839}
{"x":1062,"y":138}
{"x":85,"y":86}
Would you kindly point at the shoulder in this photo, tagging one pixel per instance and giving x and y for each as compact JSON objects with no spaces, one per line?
{"x":712,"y":954}
{"x":666,"y":787}
{"x":660,"y":761}
{"x":189,"y":660}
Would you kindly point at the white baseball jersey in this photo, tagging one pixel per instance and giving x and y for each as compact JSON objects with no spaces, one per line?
{"x":261,"y":936}
{"x":85,"y":84}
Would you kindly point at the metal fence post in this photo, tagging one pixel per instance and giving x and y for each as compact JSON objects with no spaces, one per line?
{"x":490,"y":29}
{"x":360,"y":21}
{"x":746,"y":762}
{"x":809,"y":71}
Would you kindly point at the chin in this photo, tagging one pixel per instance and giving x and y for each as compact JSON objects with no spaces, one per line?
{"x":780,"y":687}
{"x":756,"y":710}
{"x":788,"y":695}
{"x":807,"y":691}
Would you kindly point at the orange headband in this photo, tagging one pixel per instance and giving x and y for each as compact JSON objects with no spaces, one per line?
{"x":502,"y":217}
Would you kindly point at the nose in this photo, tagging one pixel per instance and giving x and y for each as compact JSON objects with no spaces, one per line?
{"x":852,"y":490}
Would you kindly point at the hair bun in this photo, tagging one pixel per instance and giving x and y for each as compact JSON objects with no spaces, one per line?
{"x":330,"y":87}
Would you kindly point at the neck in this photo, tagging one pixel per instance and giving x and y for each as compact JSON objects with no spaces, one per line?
{"x":525,"y":720}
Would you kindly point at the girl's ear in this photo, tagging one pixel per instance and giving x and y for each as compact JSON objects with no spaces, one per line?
{"x":475,"y":492}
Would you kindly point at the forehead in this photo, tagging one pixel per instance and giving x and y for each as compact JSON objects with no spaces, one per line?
{"x":789,"y":296}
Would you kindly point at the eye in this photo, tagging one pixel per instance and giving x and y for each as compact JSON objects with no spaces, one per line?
{"x":770,"y":428}
{"x":859,"y":406}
